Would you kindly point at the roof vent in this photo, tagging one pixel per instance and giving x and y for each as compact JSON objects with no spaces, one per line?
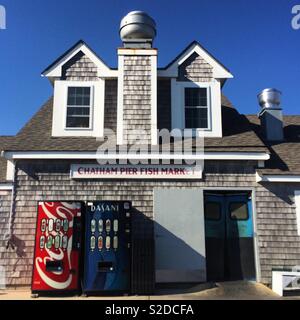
{"x":270,"y":99}
{"x":271,"y":117}
{"x":137,"y":30}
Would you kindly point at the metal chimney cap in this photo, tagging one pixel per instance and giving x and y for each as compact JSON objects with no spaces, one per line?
{"x":270,"y":98}
{"x":269,"y":90}
{"x":137,"y":25}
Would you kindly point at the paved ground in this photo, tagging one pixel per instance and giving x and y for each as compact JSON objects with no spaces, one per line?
{"x":239,"y":290}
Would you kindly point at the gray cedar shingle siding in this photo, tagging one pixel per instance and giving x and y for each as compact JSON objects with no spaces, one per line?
{"x":195,"y":69}
{"x":80,"y":68}
{"x":279,"y":243}
{"x":137,"y":99}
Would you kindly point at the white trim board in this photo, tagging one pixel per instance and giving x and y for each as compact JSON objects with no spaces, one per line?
{"x":120,"y":103}
{"x":277,"y":178}
{"x":4,"y":187}
{"x":56,"y":70}
{"x":219,"y":72}
{"x":93,"y":155}
{"x":297,"y":203}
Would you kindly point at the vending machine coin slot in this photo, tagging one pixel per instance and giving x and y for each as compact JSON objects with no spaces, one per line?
{"x":76,"y":245}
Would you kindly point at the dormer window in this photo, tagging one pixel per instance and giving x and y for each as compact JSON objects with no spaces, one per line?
{"x":196,"y":108}
{"x":79,"y":107}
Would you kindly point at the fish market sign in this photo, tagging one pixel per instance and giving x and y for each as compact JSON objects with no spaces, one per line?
{"x":86,"y":171}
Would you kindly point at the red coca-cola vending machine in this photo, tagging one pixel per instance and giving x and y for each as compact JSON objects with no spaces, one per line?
{"x":56,"y":266}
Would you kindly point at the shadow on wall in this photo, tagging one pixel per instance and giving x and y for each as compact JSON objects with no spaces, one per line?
{"x":282,"y":191}
{"x":170,"y":254}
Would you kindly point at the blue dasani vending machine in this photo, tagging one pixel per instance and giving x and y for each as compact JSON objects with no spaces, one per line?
{"x":107,"y":248}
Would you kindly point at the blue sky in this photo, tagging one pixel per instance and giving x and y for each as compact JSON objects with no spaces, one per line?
{"x":254,"y":39}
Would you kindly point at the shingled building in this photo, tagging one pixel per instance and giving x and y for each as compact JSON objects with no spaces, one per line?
{"x":235,"y":218}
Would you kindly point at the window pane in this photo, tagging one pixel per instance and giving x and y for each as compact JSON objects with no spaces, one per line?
{"x":196,"y":118}
{"x":79,"y":96}
{"x":74,"y":111}
{"x":195,"y":97}
{"x":239,"y":211}
{"x":78,"y":122}
{"x":212,"y":211}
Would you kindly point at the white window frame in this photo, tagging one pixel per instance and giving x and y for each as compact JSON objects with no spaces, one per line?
{"x":208,"y":107}
{"x":297,"y":204}
{"x":59,"y":121}
{"x":91,"y":106}
{"x":214,"y":107}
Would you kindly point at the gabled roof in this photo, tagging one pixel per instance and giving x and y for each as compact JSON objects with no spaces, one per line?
{"x":284,"y":155}
{"x":55,"y":68}
{"x":219,"y":70}
{"x":36,"y":135}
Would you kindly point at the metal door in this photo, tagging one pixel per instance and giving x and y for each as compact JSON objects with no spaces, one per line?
{"x":229,"y":237}
{"x":57,"y":247}
{"x":107,"y":247}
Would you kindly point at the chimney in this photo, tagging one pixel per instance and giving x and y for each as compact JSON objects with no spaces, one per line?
{"x":271,"y":114}
{"x":137,"y":80}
